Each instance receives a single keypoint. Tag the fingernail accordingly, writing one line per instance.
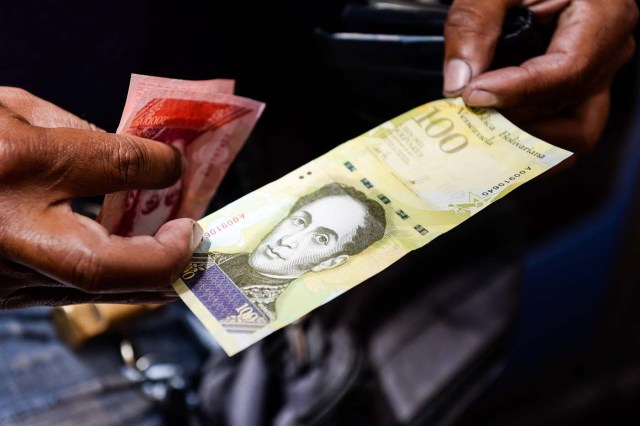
(196, 236)
(457, 75)
(481, 98)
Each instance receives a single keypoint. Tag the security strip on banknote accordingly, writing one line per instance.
(295, 244)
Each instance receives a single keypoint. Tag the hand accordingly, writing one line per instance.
(50, 255)
(561, 96)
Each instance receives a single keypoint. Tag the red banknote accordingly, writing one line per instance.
(142, 85)
(205, 122)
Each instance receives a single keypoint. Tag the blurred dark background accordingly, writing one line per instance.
(568, 350)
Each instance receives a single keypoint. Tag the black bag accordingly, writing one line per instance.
(416, 360)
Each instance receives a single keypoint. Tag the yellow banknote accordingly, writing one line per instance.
(283, 250)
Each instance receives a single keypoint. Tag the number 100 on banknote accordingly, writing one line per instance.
(281, 251)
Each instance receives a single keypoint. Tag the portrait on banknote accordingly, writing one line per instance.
(322, 230)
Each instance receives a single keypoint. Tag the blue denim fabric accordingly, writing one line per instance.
(43, 382)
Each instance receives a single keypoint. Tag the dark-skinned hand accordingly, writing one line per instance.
(561, 96)
(50, 255)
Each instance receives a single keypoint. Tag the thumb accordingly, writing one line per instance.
(471, 33)
(172, 233)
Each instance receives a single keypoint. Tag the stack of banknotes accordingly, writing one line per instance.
(287, 248)
(205, 121)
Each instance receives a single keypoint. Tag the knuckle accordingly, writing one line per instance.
(465, 19)
(7, 156)
(129, 159)
(87, 270)
(14, 92)
(12, 157)
(540, 88)
(569, 76)
(14, 102)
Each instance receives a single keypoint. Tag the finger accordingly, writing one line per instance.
(87, 163)
(578, 131)
(71, 163)
(567, 73)
(85, 256)
(39, 112)
(471, 32)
